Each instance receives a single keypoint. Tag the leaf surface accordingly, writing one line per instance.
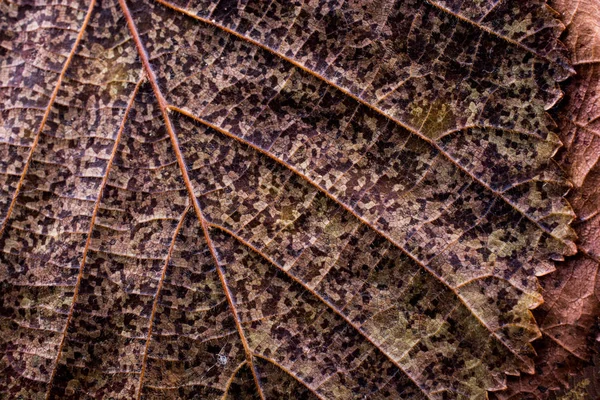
(570, 316)
(258, 199)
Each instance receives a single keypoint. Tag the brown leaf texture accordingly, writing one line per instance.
(272, 200)
(570, 316)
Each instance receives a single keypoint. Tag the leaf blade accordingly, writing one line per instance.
(348, 172)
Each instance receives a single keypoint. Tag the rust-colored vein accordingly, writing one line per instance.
(47, 114)
(180, 160)
(565, 347)
(238, 324)
(498, 35)
(570, 245)
(231, 379)
(354, 213)
(321, 298)
(89, 234)
(290, 373)
(156, 297)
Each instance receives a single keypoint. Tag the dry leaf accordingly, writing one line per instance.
(570, 316)
(279, 199)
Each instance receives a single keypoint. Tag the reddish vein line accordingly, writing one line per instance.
(47, 114)
(430, 2)
(180, 160)
(238, 324)
(498, 35)
(351, 211)
(89, 235)
(320, 298)
(292, 374)
(564, 346)
(156, 296)
(231, 378)
(568, 243)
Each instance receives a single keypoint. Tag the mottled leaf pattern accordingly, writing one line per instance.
(276, 199)
(570, 316)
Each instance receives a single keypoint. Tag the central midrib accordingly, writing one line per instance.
(201, 219)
